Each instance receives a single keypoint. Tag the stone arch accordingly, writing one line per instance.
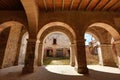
(53, 27)
(56, 29)
(51, 24)
(114, 33)
(99, 48)
(108, 28)
(32, 16)
(11, 49)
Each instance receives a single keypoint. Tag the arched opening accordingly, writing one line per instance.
(92, 49)
(105, 33)
(23, 47)
(61, 29)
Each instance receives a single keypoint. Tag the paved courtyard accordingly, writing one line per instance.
(61, 72)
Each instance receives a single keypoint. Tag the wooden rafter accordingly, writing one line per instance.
(96, 4)
(63, 4)
(45, 5)
(109, 2)
(117, 3)
(54, 4)
(103, 3)
(72, 1)
(79, 4)
(90, 1)
(116, 6)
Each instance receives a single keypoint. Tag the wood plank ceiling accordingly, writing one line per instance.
(85, 5)
(51, 5)
(10, 5)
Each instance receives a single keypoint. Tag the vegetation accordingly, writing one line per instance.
(56, 61)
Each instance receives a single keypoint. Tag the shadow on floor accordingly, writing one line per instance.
(43, 74)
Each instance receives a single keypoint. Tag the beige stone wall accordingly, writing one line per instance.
(62, 41)
(91, 58)
(11, 47)
(3, 41)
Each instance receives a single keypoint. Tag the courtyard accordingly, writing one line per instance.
(61, 72)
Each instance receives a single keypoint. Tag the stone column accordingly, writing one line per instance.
(40, 54)
(107, 55)
(117, 50)
(18, 53)
(72, 54)
(100, 55)
(81, 57)
(30, 57)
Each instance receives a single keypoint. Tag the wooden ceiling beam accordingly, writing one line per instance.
(101, 4)
(117, 3)
(72, 1)
(80, 4)
(110, 4)
(4, 4)
(63, 4)
(54, 4)
(90, 2)
(96, 5)
(106, 5)
(116, 6)
(45, 5)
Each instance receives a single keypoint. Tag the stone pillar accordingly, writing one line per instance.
(100, 55)
(40, 54)
(81, 57)
(107, 55)
(72, 54)
(117, 50)
(30, 56)
(17, 54)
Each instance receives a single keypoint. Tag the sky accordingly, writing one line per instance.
(88, 38)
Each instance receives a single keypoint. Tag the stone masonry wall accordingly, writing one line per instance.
(11, 48)
(3, 41)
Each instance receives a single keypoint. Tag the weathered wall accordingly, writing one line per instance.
(11, 47)
(3, 41)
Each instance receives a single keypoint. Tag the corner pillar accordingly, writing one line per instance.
(40, 54)
(72, 53)
(30, 57)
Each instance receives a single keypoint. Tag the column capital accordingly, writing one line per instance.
(81, 40)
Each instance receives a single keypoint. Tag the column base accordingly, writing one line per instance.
(72, 64)
(27, 70)
(40, 64)
(83, 70)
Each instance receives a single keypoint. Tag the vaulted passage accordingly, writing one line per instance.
(60, 39)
